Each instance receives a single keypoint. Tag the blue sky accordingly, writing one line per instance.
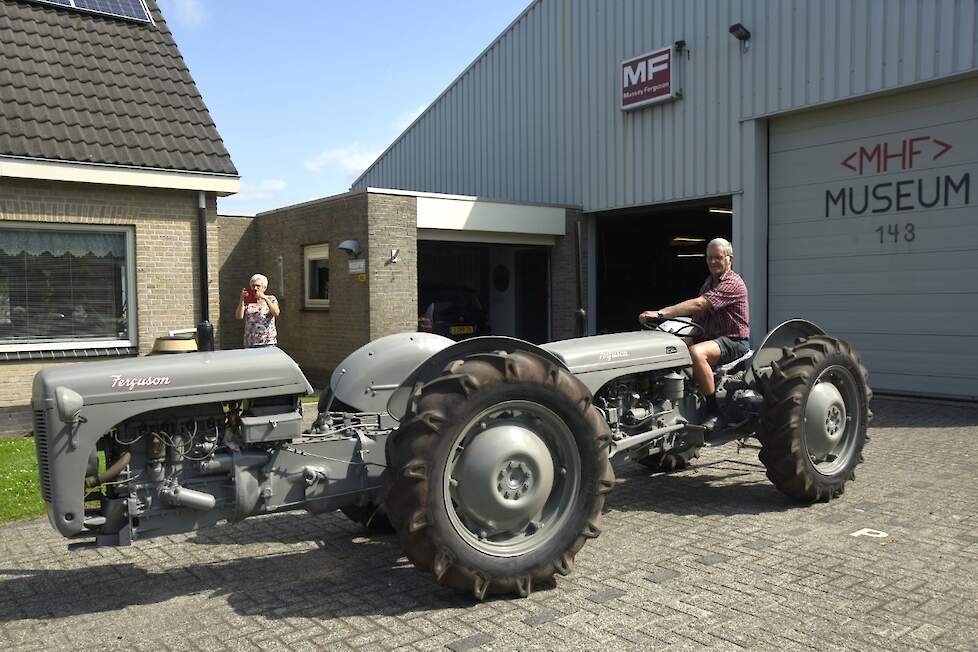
(306, 93)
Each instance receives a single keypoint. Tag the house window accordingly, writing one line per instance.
(316, 261)
(65, 287)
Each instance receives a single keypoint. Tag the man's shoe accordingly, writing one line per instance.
(714, 415)
(716, 422)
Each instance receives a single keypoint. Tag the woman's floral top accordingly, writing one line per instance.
(259, 324)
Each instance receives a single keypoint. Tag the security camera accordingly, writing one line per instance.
(351, 247)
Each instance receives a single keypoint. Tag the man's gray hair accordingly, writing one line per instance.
(721, 242)
(261, 278)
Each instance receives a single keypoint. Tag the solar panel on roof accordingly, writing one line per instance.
(129, 9)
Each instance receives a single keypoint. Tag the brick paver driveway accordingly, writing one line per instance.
(714, 556)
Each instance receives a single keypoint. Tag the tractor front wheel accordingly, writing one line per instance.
(498, 473)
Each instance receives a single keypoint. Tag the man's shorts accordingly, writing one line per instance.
(731, 349)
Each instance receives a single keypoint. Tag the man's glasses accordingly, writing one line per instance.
(716, 259)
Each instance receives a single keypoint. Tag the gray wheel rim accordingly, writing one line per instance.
(511, 478)
(832, 420)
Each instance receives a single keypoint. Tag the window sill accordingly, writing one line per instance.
(68, 354)
(315, 308)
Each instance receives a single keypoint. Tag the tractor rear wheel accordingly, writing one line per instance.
(498, 473)
(814, 420)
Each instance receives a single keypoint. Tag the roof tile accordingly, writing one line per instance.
(89, 88)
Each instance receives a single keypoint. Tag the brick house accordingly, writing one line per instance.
(333, 302)
(107, 153)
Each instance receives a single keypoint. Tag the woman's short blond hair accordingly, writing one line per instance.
(261, 278)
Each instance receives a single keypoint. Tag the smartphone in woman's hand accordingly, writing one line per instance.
(250, 296)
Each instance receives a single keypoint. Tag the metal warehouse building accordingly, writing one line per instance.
(834, 142)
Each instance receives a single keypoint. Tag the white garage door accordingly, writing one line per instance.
(874, 233)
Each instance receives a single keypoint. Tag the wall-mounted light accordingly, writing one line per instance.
(280, 275)
(351, 247)
(742, 34)
(395, 253)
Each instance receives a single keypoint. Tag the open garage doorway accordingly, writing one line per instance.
(653, 256)
(467, 289)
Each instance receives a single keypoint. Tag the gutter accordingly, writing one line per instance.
(26, 167)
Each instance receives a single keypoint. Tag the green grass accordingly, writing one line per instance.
(20, 493)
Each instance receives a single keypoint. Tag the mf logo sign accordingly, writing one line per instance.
(650, 78)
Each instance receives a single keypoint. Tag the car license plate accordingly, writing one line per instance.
(462, 330)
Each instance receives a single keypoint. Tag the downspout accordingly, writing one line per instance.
(205, 330)
(581, 313)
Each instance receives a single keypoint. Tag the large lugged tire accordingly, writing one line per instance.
(813, 425)
(498, 473)
(669, 461)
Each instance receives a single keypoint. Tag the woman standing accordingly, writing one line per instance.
(259, 311)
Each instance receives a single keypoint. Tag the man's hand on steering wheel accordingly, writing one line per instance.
(653, 320)
(650, 319)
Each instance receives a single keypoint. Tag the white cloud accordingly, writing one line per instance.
(405, 119)
(255, 191)
(186, 13)
(350, 160)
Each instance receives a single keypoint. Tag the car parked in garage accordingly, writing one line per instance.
(452, 311)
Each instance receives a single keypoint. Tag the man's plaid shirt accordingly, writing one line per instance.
(728, 314)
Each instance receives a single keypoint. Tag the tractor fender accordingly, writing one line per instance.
(432, 367)
(366, 378)
(785, 334)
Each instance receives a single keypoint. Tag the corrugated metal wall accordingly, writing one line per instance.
(537, 118)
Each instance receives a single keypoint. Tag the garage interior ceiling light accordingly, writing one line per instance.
(725, 211)
(690, 255)
(681, 240)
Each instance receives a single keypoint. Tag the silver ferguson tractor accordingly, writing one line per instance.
(490, 457)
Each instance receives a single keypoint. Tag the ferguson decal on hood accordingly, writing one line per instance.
(608, 356)
(130, 384)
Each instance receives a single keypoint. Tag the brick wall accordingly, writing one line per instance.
(563, 280)
(393, 223)
(238, 260)
(317, 338)
(165, 223)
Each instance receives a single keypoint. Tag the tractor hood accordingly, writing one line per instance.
(617, 352)
(183, 374)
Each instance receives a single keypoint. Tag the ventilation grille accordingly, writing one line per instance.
(41, 441)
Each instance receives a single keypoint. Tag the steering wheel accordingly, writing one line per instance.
(678, 326)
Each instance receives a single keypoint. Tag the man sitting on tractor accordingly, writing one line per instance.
(722, 313)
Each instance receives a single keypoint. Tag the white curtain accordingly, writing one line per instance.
(58, 243)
